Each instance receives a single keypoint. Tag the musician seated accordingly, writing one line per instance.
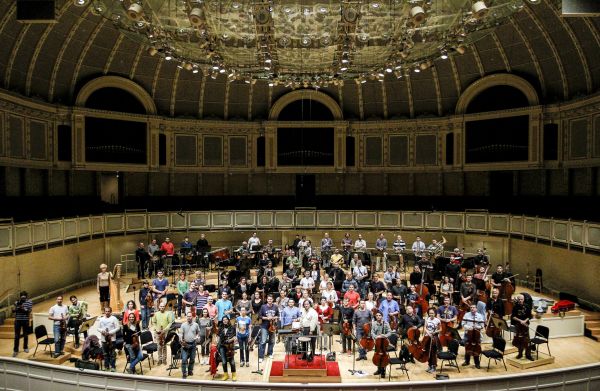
(131, 331)
(472, 321)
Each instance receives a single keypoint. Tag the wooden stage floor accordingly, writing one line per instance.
(568, 352)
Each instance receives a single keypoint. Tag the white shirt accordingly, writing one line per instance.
(323, 284)
(253, 241)
(360, 244)
(111, 323)
(307, 283)
(418, 247)
(56, 311)
(310, 319)
(330, 295)
(360, 272)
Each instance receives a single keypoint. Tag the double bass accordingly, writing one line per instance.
(446, 330)
(506, 291)
(473, 342)
(413, 335)
(423, 293)
(421, 353)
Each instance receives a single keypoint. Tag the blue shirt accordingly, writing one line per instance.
(388, 306)
(243, 320)
(289, 314)
(160, 285)
(222, 306)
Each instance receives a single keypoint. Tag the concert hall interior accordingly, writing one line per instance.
(303, 194)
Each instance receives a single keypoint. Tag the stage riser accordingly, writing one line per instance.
(309, 372)
(303, 379)
(524, 363)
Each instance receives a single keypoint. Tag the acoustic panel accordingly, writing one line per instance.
(373, 151)
(16, 137)
(37, 140)
(213, 151)
(185, 150)
(578, 138)
(596, 137)
(237, 152)
(426, 149)
(398, 150)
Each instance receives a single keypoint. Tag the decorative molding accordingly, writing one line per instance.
(494, 80)
(13, 55)
(438, 91)
(116, 82)
(501, 51)
(113, 53)
(317, 96)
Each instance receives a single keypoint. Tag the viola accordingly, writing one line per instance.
(367, 342)
(149, 301)
(381, 358)
(273, 326)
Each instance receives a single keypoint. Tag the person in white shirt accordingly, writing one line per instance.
(324, 282)
(330, 295)
(108, 325)
(307, 281)
(360, 244)
(309, 321)
(59, 314)
(399, 246)
(360, 275)
(253, 242)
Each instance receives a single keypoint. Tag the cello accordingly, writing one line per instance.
(473, 343)
(446, 328)
(423, 349)
(423, 293)
(381, 358)
(367, 342)
(413, 335)
(507, 291)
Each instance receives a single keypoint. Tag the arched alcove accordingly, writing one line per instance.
(314, 96)
(499, 97)
(507, 83)
(107, 86)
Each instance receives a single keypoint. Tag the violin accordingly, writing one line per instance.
(135, 342)
(367, 342)
(381, 358)
(346, 329)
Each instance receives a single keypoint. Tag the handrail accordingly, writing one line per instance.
(9, 369)
(34, 235)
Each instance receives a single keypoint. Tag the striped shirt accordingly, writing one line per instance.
(22, 311)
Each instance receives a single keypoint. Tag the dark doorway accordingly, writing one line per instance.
(305, 190)
(305, 147)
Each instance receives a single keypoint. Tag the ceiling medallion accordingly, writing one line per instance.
(341, 40)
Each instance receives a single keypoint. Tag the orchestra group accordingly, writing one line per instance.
(413, 297)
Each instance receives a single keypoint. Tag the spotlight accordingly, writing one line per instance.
(152, 51)
(195, 69)
(80, 3)
(534, 2)
(168, 57)
(388, 70)
(196, 16)
(135, 12)
(444, 55)
(479, 10)
(417, 70)
(417, 15)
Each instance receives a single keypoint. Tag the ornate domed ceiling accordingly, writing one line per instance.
(50, 62)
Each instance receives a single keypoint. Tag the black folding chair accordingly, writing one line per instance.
(41, 332)
(148, 344)
(542, 334)
(145, 357)
(496, 353)
(450, 355)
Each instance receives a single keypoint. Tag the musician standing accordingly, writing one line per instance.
(361, 317)
(182, 287)
(253, 242)
(447, 313)
(131, 329)
(103, 285)
(168, 247)
(495, 305)
(244, 331)
(310, 325)
(432, 329)
(189, 334)
(159, 288)
(381, 245)
(389, 308)
(268, 313)
(472, 320)
(224, 307)
(399, 246)
(227, 335)
(145, 309)
(108, 325)
(59, 314)
(346, 315)
(161, 321)
(468, 291)
(205, 324)
(23, 309)
(77, 312)
(141, 257)
(521, 315)
(154, 265)
(190, 299)
(380, 329)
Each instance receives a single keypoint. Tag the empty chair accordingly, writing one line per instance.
(449, 355)
(496, 353)
(148, 344)
(41, 338)
(541, 337)
(404, 358)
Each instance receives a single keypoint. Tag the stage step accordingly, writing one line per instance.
(308, 372)
(7, 327)
(9, 322)
(7, 334)
(524, 363)
(304, 379)
(595, 331)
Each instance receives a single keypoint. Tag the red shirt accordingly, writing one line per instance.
(136, 312)
(324, 315)
(353, 298)
(168, 248)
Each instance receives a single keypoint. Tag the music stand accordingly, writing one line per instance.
(133, 287)
(354, 342)
(502, 325)
(87, 324)
(330, 329)
(258, 331)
